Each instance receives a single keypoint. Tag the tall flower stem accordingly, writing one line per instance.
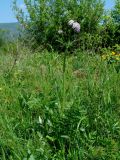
(64, 78)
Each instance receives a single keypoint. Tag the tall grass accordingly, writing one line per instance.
(33, 125)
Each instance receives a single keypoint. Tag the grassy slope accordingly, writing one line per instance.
(36, 124)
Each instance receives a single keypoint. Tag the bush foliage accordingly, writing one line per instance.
(42, 19)
(45, 18)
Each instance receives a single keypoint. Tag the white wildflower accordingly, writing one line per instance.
(70, 23)
(60, 31)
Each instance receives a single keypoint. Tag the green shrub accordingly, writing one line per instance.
(111, 27)
(43, 19)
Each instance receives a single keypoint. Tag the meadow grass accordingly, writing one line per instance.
(35, 124)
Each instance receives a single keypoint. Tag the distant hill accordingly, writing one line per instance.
(13, 28)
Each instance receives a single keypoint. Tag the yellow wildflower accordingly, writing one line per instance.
(113, 53)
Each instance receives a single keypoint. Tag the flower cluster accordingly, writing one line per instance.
(111, 57)
(75, 25)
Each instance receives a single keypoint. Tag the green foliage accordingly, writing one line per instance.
(60, 107)
(116, 18)
(111, 27)
(2, 38)
(34, 122)
(112, 56)
(43, 19)
(116, 12)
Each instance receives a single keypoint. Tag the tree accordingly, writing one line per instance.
(116, 12)
(43, 18)
(111, 26)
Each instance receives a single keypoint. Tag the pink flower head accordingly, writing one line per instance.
(76, 27)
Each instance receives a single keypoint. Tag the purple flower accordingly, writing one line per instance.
(76, 27)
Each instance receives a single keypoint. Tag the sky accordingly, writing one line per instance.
(7, 15)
